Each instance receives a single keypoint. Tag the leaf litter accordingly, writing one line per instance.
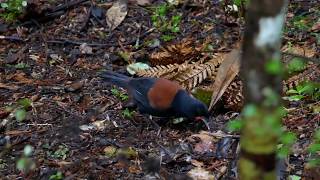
(71, 108)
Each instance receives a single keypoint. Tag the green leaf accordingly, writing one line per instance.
(313, 148)
(306, 88)
(21, 164)
(175, 29)
(20, 114)
(115, 92)
(283, 152)
(317, 135)
(27, 151)
(127, 113)
(314, 162)
(124, 55)
(167, 37)
(124, 97)
(25, 164)
(25, 102)
(294, 177)
(57, 176)
(135, 67)
(288, 138)
(162, 10)
(296, 65)
(292, 91)
(21, 66)
(295, 97)
(4, 5)
(176, 20)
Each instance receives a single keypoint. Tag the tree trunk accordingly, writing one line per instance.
(261, 69)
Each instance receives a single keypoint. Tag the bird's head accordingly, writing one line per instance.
(189, 107)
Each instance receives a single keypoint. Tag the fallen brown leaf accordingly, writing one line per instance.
(227, 71)
(116, 14)
(300, 50)
(205, 144)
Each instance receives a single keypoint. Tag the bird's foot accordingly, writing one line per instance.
(130, 105)
(154, 124)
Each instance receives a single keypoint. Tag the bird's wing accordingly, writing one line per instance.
(139, 89)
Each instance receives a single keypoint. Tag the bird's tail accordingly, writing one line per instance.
(115, 78)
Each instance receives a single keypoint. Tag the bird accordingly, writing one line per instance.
(158, 96)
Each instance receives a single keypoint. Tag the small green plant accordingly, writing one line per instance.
(295, 65)
(167, 37)
(119, 95)
(287, 139)
(159, 15)
(18, 66)
(12, 9)
(124, 55)
(25, 163)
(20, 108)
(303, 90)
(314, 150)
(21, 66)
(127, 113)
(60, 153)
(57, 176)
(168, 26)
(175, 23)
(301, 22)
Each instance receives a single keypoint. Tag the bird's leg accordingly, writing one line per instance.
(205, 121)
(130, 104)
(155, 125)
(207, 124)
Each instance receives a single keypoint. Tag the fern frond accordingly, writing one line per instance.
(175, 53)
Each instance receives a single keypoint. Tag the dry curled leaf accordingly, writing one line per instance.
(204, 144)
(227, 71)
(116, 14)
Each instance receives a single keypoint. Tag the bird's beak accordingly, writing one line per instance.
(204, 120)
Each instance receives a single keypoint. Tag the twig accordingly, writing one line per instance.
(71, 42)
(68, 5)
(222, 135)
(35, 124)
(12, 38)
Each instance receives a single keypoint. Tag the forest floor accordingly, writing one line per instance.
(79, 128)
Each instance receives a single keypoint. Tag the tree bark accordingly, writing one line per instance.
(261, 69)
